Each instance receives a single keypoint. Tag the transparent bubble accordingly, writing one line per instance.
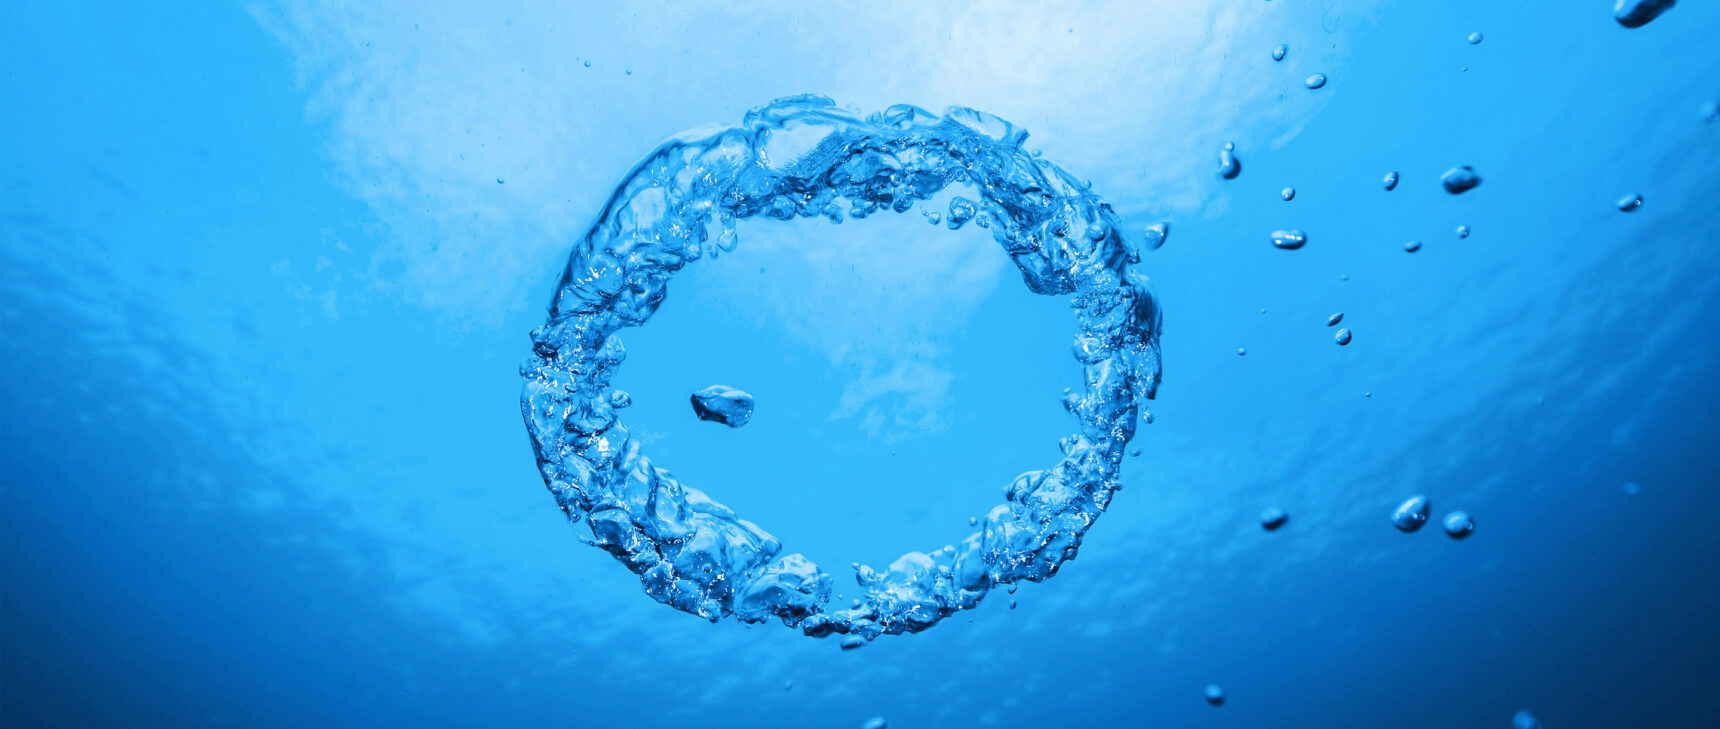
(876, 722)
(1631, 488)
(1525, 720)
(1315, 81)
(1458, 525)
(1630, 203)
(1288, 194)
(1278, 52)
(620, 399)
(1342, 337)
(1411, 515)
(1460, 179)
(1333, 320)
(853, 642)
(1289, 239)
(723, 404)
(1391, 181)
(1463, 231)
(1475, 38)
(1229, 165)
(1156, 235)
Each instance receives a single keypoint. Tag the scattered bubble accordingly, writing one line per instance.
(1463, 231)
(853, 642)
(1315, 81)
(1215, 694)
(1333, 320)
(1630, 202)
(1412, 246)
(1229, 166)
(1342, 337)
(723, 404)
(1272, 518)
(1156, 235)
(1475, 38)
(1288, 194)
(1411, 515)
(1458, 525)
(1289, 239)
(932, 217)
(876, 722)
(1637, 13)
(961, 211)
(1391, 181)
(1278, 53)
(1525, 720)
(620, 399)
(1460, 179)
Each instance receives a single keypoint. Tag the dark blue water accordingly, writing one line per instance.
(267, 275)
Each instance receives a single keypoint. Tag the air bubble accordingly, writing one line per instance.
(1342, 337)
(723, 404)
(1463, 231)
(961, 211)
(853, 642)
(1391, 181)
(1333, 320)
(1411, 515)
(1273, 518)
(1631, 488)
(1475, 38)
(1629, 203)
(932, 217)
(1315, 81)
(1215, 694)
(620, 399)
(1278, 53)
(1288, 194)
(1156, 235)
(1460, 179)
(876, 722)
(1412, 246)
(1289, 239)
(1458, 525)
(1229, 166)
(1240, 352)
(1637, 13)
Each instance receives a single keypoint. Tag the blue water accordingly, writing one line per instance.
(268, 274)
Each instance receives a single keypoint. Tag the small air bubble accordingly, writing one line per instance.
(1229, 165)
(1240, 352)
(1412, 246)
(1411, 515)
(1156, 235)
(1272, 518)
(588, 64)
(1333, 320)
(1460, 179)
(1629, 203)
(1391, 181)
(1463, 231)
(1288, 194)
(932, 217)
(1475, 38)
(1342, 337)
(1214, 694)
(501, 181)
(853, 642)
(1278, 53)
(620, 399)
(1315, 81)
(1631, 488)
(1458, 525)
(1289, 240)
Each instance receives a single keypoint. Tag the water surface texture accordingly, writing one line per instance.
(268, 274)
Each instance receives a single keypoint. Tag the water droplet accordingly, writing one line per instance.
(1637, 13)
(1333, 320)
(1463, 231)
(1156, 235)
(1240, 352)
(1288, 194)
(1411, 515)
(853, 642)
(1315, 81)
(1391, 181)
(1278, 53)
(1458, 525)
(1412, 246)
(961, 211)
(1342, 337)
(1289, 239)
(1631, 488)
(1214, 694)
(1229, 165)
(620, 399)
(1630, 202)
(1460, 179)
(1475, 38)
(876, 722)
(932, 217)
(723, 404)
(1273, 518)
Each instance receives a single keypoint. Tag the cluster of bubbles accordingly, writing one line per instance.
(1412, 514)
(803, 157)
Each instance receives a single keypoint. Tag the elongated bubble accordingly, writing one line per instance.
(1525, 720)
(1278, 52)
(876, 722)
(1412, 246)
(1315, 81)
(1289, 239)
(1229, 165)
(1630, 203)
(1391, 181)
(1333, 320)
(1272, 518)
(1411, 515)
(1460, 179)
(1475, 38)
(803, 157)
(722, 404)
(1215, 694)
(1637, 13)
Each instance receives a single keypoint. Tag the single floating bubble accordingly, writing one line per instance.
(1315, 81)
(723, 404)
(961, 211)
(1215, 694)
(1463, 231)
(620, 399)
(588, 64)
(1289, 239)
(1411, 515)
(1631, 488)
(1278, 53)
(1412, 246)
(1333, 320)
(1637, 13)
(1272, 518)
(1288, 194)
(1342, 337)
(1229, 166)
(1156, 235)
(1458, 525)
(1460, 179)
(501, 181)
(876, 722)
(1240, 352)
(788, 685)
(1629, 203)
(1012, 603)
(1475, 38)
(853, 642)
(1391, 181)
(1709, 111)
(1136, 451)
(1525, 720)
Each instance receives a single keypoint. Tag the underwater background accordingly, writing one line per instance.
(267, 274)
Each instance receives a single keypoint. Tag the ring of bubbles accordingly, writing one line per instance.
(803, 157)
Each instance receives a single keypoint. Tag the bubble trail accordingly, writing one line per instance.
(1342, 337)
(1289, 239)
(1458, 525)
(1391, 181)
(1460, 179)
(1215, 694)
(723, 404)
(1630, 203)
(1272, 518)
(798, 158)
(1229, 165)
(1278, 53)
(1412, 246)
(1315, 81)
(1411, 515)
(1638, 13)
(1288, 194)
(1333, 320)
(1156, 235)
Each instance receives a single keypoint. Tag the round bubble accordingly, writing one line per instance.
(1458, 525)
(804, 157)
